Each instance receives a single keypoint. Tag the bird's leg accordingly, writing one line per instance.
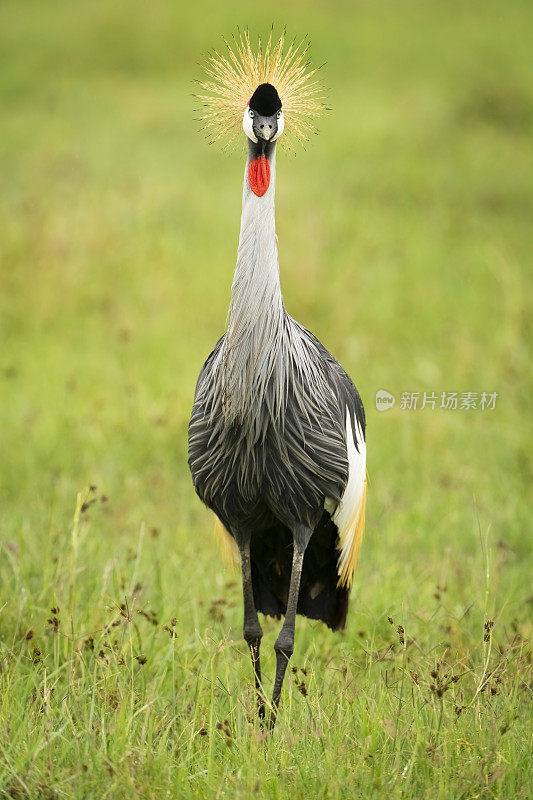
(252, 630)
(284, 645)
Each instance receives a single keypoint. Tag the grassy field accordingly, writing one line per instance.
(404, 234)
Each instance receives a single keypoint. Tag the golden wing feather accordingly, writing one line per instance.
(350, 541)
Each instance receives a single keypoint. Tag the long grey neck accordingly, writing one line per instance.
(256, 313)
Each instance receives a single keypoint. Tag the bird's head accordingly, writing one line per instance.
(263, 124)
(263, 117)
(265, 91)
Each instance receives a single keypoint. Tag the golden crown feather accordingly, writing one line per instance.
(232, 78)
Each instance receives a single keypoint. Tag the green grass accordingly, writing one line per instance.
(405, 233)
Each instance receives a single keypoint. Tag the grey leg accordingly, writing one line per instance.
(252, 630)
(284, 646)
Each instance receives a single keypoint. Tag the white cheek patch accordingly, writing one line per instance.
(248, 125)
(281, 125)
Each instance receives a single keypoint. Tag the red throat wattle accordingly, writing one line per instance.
(259, 175)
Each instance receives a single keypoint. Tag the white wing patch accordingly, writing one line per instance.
(349, 516)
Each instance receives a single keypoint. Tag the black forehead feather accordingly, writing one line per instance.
(265, 100)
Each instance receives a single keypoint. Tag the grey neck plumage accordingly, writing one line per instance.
(264, 351)
(256, 314)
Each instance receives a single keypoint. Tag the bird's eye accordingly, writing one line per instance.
(278, 115)
(251, 113)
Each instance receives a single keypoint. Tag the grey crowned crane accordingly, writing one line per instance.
(277, 433)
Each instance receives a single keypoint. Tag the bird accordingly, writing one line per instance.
(277, 434)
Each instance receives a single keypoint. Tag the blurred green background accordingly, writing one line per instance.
(405, 243)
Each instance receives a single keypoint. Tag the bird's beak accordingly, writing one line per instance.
(265, 127)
